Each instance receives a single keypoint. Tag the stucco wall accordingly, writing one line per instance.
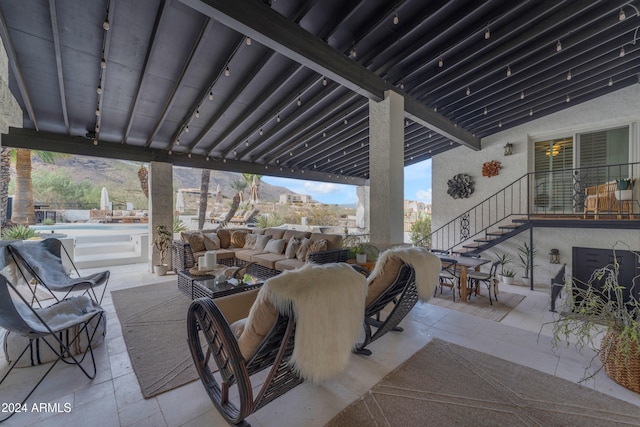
(616, 109)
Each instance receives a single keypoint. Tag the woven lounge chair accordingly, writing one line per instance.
(233, 337)
(61, 327)
(400, 277)
(42, 260)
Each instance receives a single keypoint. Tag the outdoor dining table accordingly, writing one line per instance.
(464, 263)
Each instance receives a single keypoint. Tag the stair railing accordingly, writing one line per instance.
(558, 192)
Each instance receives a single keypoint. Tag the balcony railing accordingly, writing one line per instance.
(558, 193)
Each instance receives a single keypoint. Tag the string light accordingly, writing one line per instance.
(353, 52)
(487, 34)
(622, 52)
(211, 96)
(610, 81)
(246, 143)
(299, 101)
(508, 71)
(396, 19)
(522, 95)
(441, 62)
(106, 25)
(558, 46)
(95, 141)
(468, 91)
(569, 75)
(485, 112)
(622, 15)
(99, 90)
(186, 128)
(324, 81)
(531, 112)
(500, 124)
(97, 111)
(345, 121)
(227, 72)
(197, 114)
(261, 133)
(568, 98)
(103, 63)
(401, 84)
(278, 118)
(248, 41)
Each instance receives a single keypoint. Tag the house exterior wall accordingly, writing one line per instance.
(615, 109)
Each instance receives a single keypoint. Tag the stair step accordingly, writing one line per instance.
(474, 246)
(497, 233)
(483, 240)
(510, 226)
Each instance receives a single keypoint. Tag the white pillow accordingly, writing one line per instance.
(211, 241)
(275, 246)
(292, 247)
(261, 241)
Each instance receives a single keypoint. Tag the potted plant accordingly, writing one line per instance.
(161, 241)
(361, 254)
(526, 255)
(504, 259)
(603, 305)
(507, 276)
(624, 189)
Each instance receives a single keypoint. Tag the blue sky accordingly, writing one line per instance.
(417, 186)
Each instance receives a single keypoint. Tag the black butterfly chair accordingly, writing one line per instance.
(62, 334)
(42, 260)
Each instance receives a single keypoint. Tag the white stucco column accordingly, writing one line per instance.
(160, 205)
(386, 169)
(362, 207)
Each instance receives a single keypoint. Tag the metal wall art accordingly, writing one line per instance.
(460, 186)
(491, 168)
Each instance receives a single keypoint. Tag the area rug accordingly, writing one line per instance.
(479, 305)
(444, 384)
(154, 326)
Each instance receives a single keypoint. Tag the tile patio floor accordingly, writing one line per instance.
(113, 398)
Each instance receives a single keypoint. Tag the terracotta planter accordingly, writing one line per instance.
(625, 372)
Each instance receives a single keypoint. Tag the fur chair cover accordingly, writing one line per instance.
(426, 265)
(328, 306)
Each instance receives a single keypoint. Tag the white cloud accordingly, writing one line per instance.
(424, 195)
(321, 187)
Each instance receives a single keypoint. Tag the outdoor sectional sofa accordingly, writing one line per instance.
(267, 259)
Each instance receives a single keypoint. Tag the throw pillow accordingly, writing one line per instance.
(275, 246)
(225, 238)
(261, 242)
(196, 240)
(250, 241)
(301, 253)
(317, 246)
(292, 247)
(211, 241)
(238, 238)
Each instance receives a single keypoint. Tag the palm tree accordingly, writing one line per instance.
(5, 177)
(143, 177)
(23, 208)
(239, 186)
(204, 194)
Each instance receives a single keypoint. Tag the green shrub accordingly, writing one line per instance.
(19, 232)
(178, 225)
(267, 221)
(48, 221)
(421, 231)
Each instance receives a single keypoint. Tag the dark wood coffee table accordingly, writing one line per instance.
(207, 287)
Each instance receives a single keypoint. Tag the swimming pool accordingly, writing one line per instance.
(91, 226)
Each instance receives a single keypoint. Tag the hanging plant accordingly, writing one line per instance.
(491, 168)
(460, 186)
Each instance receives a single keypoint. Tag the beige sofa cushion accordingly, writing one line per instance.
(246, 254)
(334, 241)
(262, 241)
(196, 240)
(295, 233)
(261, 318)
(275, 233)
(288, 264)
(317, 246)
(225, 238)
(250, 241)
(292, 246)
(301, 253)
(238, 238)
(267, 260)
(379, 284)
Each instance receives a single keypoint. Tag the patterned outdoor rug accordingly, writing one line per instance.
(154, 326)
(479, 305)
(444, 384)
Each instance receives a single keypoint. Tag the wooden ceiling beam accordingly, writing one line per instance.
(260, 22)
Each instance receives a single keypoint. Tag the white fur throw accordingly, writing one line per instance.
(426, 265)
(328, 305)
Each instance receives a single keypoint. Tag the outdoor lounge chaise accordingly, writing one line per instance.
(400, 277)
(42, 260)
(282, 328)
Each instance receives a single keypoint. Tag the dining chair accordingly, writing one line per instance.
(490, 279)
(449, 276)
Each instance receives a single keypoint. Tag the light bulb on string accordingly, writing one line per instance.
(441, 62)
(227, 72)
(468, 91)
(610, 81)
(568, 99)
(508, 71)
(487, 34)
(622, 52)
(197, 114)
(211, 96)
(396, 19)
(324, 81)
(248, 40)
(106, 25)
(522, 95)
(621, 15)
(558, 46)
(569, 75)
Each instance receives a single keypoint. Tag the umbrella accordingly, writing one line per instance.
(105, 204)
(253, 191)
(218, 194)
(180, 201)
